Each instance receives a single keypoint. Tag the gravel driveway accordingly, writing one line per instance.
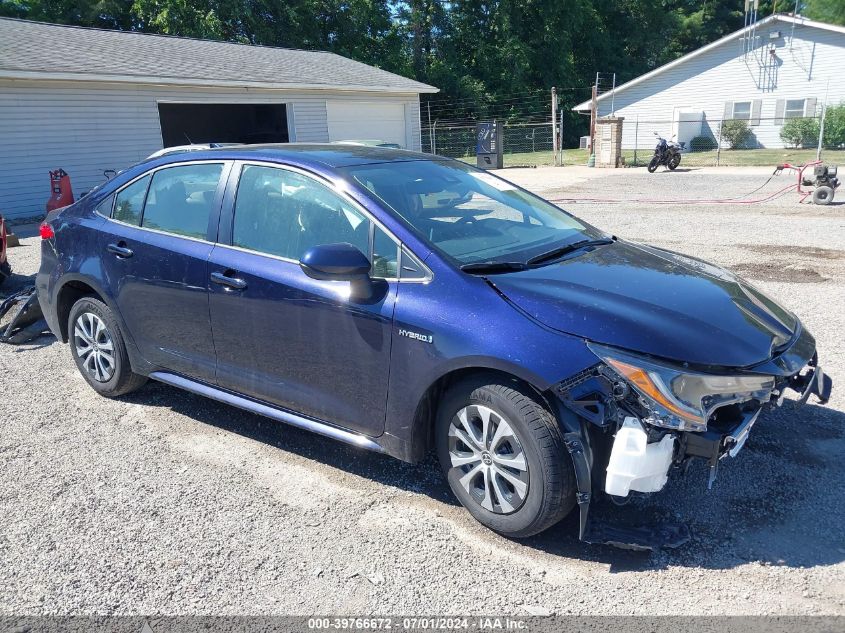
(166, 503)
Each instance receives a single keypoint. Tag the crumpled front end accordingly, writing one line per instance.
(645, 416)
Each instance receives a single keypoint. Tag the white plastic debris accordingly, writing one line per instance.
(634, 463)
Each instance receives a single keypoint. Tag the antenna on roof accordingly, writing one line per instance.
(794, 16)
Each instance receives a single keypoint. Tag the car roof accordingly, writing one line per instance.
(315, 155)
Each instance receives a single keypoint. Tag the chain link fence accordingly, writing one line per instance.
(732, 142)
(524, 145)
(705, 142)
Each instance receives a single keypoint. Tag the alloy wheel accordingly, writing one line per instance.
(488, 458)
(94, 346)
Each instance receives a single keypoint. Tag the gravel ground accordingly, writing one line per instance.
(166, 503)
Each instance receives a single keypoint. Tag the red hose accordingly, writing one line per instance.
(772, 196)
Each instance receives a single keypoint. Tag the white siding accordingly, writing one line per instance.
(708, 81)
(87, 127)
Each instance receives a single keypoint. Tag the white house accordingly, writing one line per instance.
(779, 68)
(87, 100)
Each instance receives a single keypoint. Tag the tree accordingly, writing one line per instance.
(834, 126)
(831, 11)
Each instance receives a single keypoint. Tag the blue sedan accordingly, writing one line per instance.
(408, 303)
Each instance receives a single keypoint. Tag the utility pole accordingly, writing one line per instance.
(821, 124)
(554, 123)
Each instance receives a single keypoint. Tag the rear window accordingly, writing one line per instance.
(129, 202)
(181, 198)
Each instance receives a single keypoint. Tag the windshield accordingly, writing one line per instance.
(469, 214)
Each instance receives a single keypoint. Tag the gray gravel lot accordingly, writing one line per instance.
(163, 502)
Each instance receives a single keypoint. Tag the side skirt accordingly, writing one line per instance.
(281, 415)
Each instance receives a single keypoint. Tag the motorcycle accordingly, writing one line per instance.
(666, 153)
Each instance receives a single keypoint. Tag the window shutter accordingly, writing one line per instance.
(755, 111)
(729, 110)
(810, 106)
(780, 106)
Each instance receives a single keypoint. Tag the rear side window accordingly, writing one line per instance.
(105, 207)
(130, 202)
(181, 198)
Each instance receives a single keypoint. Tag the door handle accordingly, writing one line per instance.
(228, 279)
(120, 249)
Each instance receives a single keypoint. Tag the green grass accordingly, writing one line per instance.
(727, 157)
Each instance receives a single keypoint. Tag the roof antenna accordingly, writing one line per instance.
(190, 142)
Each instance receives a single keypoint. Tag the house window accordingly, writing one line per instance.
(794, 109)
(742, 110)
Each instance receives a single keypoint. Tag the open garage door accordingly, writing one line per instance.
(366, 120)
(183, 123)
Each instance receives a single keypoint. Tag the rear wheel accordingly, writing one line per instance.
(823, 195)
(674, 161)
(5, 271)
(504, 457)
(653, 164)
(99, 351)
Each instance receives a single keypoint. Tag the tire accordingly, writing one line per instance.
(106, 367)
(535, 441)
(653, 164)
(674, 162)
(823, 195)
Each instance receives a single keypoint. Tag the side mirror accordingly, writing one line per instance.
(339, 262)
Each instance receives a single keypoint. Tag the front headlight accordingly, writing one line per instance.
(677, 398)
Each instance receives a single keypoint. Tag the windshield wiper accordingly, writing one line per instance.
(493, 267)
(560, 251)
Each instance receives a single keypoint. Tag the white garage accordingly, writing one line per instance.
(90, 100)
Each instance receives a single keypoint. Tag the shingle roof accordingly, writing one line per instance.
(35, 49)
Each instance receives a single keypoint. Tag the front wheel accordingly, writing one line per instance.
(504, 457)
(653, 165)
(674, 161)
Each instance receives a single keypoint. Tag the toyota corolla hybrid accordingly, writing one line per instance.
(404, 303)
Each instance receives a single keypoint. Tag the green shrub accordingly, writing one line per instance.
(702, 144)
(800, 132)
(736, 132)
(834, 126)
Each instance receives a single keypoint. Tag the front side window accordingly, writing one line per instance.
(385, 256)
(794, 109)
(181, 198)
(470, 215)
(130, 202)
(283, 213)
(742, 110)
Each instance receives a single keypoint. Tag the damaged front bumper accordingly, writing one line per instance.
(615, 448)
(723, 440)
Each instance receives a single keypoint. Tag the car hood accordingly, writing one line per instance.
(653, 301)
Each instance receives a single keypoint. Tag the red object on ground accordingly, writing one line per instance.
(46, 231)
(61, 194)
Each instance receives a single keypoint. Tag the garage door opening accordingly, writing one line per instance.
(183, 123)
